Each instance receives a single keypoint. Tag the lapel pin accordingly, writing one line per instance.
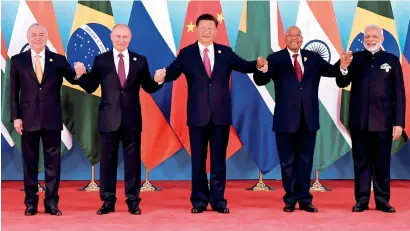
(51, 60)
(305, 59)
(219, 51)
(135, 59)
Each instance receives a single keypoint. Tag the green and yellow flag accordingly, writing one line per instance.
(90, 36)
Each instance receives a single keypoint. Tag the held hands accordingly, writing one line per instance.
(79, 69)
(262, 64)
(346, 59)
(159, 76)
(397, 131)
(18, 125)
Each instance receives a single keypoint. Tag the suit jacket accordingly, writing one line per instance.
(377, 97)
(119, 105)
(38, 104)
(208, 97)
(291, 96)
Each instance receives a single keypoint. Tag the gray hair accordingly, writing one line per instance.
(373, 26)
(124, 25)
(37, 24)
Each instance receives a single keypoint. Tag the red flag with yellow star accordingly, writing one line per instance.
(180, 89)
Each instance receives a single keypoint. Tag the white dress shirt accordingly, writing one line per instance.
(126, 60)
(211, 53)
(42, 59)
(299, 59)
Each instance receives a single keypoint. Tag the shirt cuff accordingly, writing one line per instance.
(343, 71)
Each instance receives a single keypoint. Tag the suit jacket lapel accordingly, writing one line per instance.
(48, 60)
(289, 63)
(306, 63)
(29, 66)
(198, 59)
(113, 69)
(217, 57)
(132, 61)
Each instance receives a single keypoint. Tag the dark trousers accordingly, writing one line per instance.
(109, 143)
(218, 139)
(371, 155)
(30, 142)
(296, 151)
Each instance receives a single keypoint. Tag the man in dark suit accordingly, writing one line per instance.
(121, 73)
(296, 73)
(376, 117)
(36, 77)
(207, 67)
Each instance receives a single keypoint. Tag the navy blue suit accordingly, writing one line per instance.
(377, 103)
(296, 119)
(209, 116)
(38, 105)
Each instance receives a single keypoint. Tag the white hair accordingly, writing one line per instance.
(37, 24)
(373, 26)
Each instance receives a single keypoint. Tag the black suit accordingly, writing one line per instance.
(296, 119)
(377, 103)
(119, 119)
(209, 115)
(38, 105)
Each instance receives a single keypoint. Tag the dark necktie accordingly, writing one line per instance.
(296, 66)
(121, 70)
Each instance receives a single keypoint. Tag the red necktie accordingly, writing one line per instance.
(296, 66)
(121, 70)
(207, 62)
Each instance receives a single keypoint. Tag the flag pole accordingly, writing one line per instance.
(317, 186)
(260, 186)
(148, 186)
(92, 186)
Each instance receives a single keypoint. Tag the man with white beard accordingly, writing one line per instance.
(376, 117)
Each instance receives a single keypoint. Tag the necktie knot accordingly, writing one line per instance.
(295, 56)
(206, 49)
(120, 56)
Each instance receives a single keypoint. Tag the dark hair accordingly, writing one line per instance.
(209, 17)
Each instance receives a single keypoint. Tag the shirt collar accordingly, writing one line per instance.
(291, 53)
(202, 48)
(116, 53)
(42, 53)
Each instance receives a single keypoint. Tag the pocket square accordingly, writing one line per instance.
(386, 67)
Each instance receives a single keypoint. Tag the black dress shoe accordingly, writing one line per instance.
(53, 210)
(289, 208)
(221, 209)
(360, 207)
(106, 208)
(30, 211)
(135, 210)
(386, 208)
(308, 208)
(198, 209)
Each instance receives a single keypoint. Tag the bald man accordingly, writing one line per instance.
(121, 73)
(296, 73)
(36, 77)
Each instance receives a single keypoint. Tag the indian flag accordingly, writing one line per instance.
(333, 139)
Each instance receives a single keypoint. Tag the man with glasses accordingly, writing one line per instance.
(296, 73)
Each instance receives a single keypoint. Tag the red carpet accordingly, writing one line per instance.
(170, 210)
